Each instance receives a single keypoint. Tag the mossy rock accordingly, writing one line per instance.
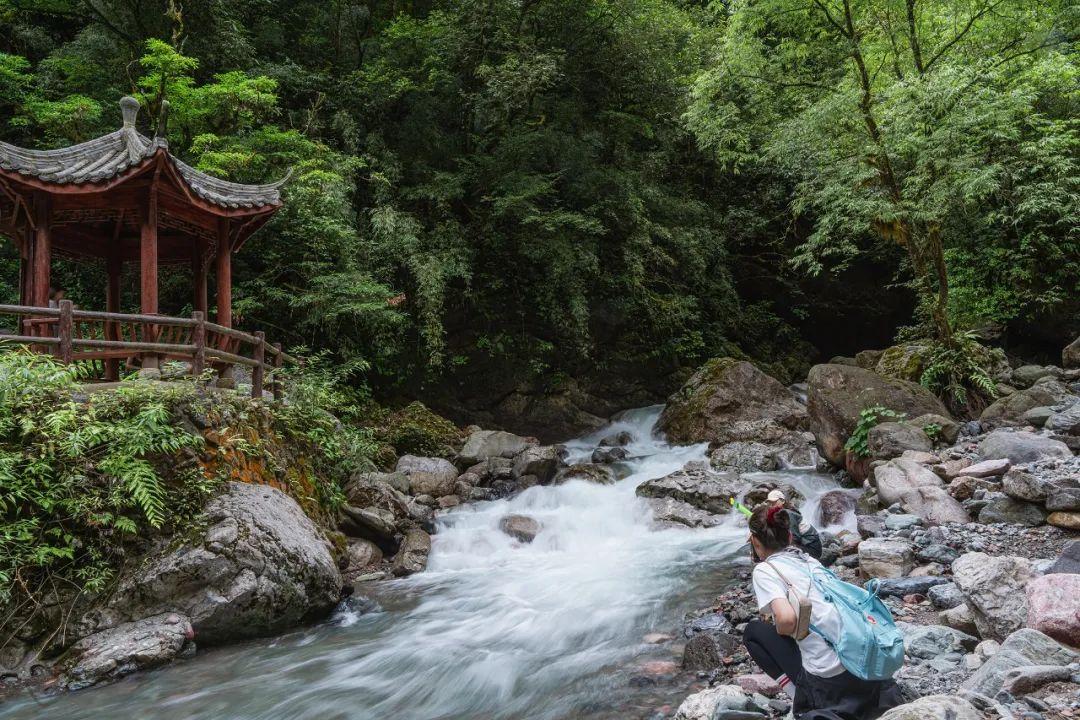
(904, 362)
(416, 430)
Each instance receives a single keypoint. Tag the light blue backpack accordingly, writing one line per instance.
(870, 646)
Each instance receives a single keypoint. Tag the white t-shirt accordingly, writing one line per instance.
(817, 657)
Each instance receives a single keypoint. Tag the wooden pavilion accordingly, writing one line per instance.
(124, 199)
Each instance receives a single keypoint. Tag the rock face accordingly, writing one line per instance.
(129, 647)
(1021, 447)
(520, 527)
(728, 400)
(918, 490)
(483, 444)
(262, 566)
(669, 512)
(994, 588)
(935, 707)
(1054, 607)
(838, 393)
(1022, 648)
(698, 487)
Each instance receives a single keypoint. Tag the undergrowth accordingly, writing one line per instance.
(868, 418)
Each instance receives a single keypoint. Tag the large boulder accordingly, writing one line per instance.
(1022, 648)
(918, 490)
(698, 487)
(1054, 607)
(1021, 447)
(886, 557)
(838, 393)
(483, 444)
(729, 400)
(669, 512)
(129, 647)
(1010, 409)
(413, 555)
(905, 362)
(520, 527)
(994, 588)
(935, 707)
(586, 472)
(428, 476)
(890, 440)
(834, 506)
(1070, 356)
(541, 462)
(261, 566)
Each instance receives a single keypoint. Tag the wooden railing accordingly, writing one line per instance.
(103, 340)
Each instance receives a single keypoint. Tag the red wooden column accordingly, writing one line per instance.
(42, 255)
(148, 266)
(113, 268)
(26, 266)
(224, 274)
(198, 275)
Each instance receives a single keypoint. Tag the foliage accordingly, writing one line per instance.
(81, 477)
(956, 370)
(868, 418)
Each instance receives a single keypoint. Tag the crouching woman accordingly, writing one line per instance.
(808, 669)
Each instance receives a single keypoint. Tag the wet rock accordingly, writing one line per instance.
(748, 456)
(587, 472)
(520, 527)
(541, 462)
(696, 486)
(935, 707)
(886, 557)
(994, 588)
(725, 401)
(413, 555)
(361, 554)
(129, 647)
(670, 512)
(838, 393)
(1022, 648)
(608, 455)
(483, 444)
(1021, 447)
(1054, 607)
(619, 439)
(449, 501)
(260, 567)
(834, 506)
(890, 440)
(428, 476)
(707, 651)
(1070, 356)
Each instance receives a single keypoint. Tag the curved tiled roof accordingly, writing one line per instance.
(110, 155)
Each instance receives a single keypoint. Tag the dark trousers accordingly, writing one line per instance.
(843, 697)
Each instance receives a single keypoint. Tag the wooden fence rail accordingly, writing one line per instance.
(91, 337)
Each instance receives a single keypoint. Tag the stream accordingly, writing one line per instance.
(492, 630)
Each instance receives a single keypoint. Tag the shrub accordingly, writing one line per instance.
(868, 418)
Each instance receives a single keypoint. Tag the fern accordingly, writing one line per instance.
(953, 372)
(868, 418)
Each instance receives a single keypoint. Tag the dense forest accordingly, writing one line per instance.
(489, 195)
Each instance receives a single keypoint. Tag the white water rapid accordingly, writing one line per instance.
(493, 630)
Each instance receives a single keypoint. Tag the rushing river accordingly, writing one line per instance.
(493, 629)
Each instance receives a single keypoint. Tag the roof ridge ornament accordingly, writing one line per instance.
(129, 107)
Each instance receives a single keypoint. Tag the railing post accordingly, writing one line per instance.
(198, 339)
(277, 372)
(64, 331)
(260, 367)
